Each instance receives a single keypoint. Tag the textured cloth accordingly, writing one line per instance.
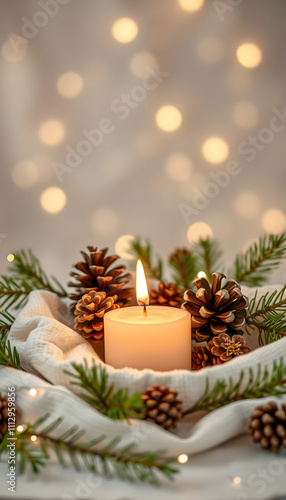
(47, 347)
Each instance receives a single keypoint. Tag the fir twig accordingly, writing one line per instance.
(208, 254)
(14, 292)
(5, 323)
(144, 252)
(184, 265)
(116, 405)
(106, 460)
(27, 267)
(253, 267)
(8, 355)
(268, 315)
(249, 386)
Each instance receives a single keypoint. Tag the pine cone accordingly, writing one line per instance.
(201, 357)
(96, 274)
(3, 415)
(267, 426)
(89, 313)
(224, 348)
(214, 309)
(166, 295)
(162, 406)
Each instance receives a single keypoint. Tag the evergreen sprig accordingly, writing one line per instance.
(14, 292)
(268, 315)
(249, 386)
(6, 321)
(106, 461)
(184, 265)
(253, 267)
(8, 355)
(116, 405)
(208, 255)
(27, 267)
(144, 252)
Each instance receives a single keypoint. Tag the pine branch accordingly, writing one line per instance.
(253, 267)
(14, 292)
(248, 387)
(184, 265)
(116, 405)
(268, 315)
(27, 267)
(106, 461)
(8, 355)
(5, 323)
(144, 252)
(208, 254)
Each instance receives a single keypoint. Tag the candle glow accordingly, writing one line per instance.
(142, 294)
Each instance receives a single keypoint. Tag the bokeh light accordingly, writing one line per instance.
(20, 428)
(123, 246)
(201, 274)
(33, 392)
(210, 50)
(191, 5)
(25, 174)
(33, 438)
(140, 62)
(199, 230)
(14, 49)
(183, 458)
(10, 257)
(273, 221)
(124, 30)
(53, 200)
(249, 55)
(178, 167)
(245, 114)
(69, 84)
(247, 205)
(236, 480)
(215, 150)
(52, 132)
(104, 222)
(168, 118)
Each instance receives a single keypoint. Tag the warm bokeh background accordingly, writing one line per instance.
(70, 69)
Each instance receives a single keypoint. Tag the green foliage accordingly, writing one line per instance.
(208, 255)
(116, 405)
(184, 266)
(6, 321)
(249, 386)
(144, 252)
(8, 355)
(106, 460)
(253, 267)
(268, 315)
(14, 292)
(27, 267)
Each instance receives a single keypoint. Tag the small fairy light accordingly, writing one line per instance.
(236, 480)
(183, 458)
(10, 257)
(20, 428)
(201, 274)
(33, 392)
(33, 438)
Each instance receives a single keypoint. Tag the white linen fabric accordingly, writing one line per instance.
(48, 346)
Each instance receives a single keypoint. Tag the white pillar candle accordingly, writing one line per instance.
(160, 341)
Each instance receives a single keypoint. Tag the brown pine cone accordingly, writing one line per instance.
(267, 426)
(97, 274)
(224, 348)
(214, 309)
(201, 357)
(89, 314)
(162, 406)
(166, 295)
(3, 415)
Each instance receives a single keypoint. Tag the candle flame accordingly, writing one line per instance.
(142, 294)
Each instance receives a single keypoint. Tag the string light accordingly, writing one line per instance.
(236, 480)
(124, 30)
(191, 5)
(201, 274)
(198, 230)
(273, 221)
(168, 118)
(51, 132)
(53, 200)
(69, 84)
(183, 458)
(215, 150)
(249, 55)
(10, 257)
(20, 428)
(33, 392)
(33, 438)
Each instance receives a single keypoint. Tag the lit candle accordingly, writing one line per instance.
(155, 337)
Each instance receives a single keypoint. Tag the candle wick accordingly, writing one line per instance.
(145, 311)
